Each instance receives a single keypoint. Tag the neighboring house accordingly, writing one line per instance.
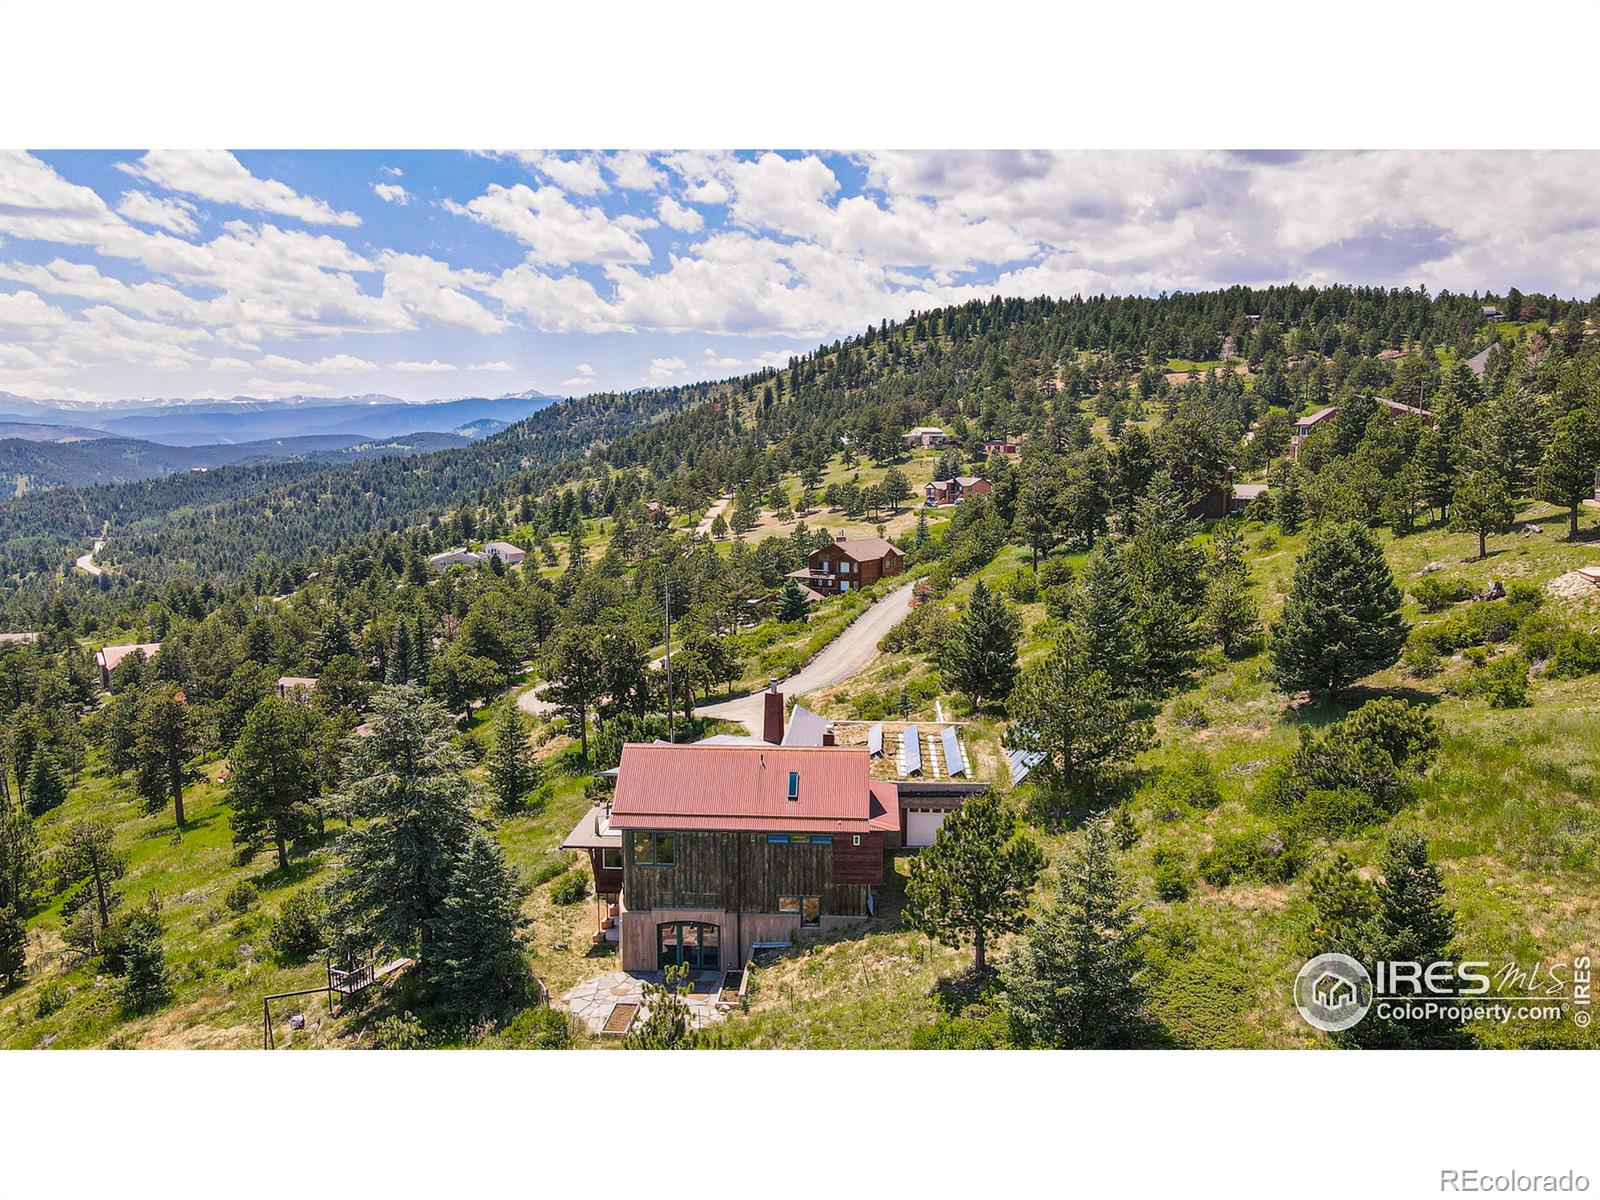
(1001, 446)
(1304, 426)
(843, 566)
(727, 849)
(109, 658)
(1406, 410)
(1479, 361)
(954, 491)
(506, 552)
(458, 556)
(656, 513)
(1491, 313)
(931, 436)
(296, 686)
(1243, 495)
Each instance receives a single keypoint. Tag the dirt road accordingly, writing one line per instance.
(840, 659)
(704, 527)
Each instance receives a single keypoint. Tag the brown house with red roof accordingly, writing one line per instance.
(729, 848)
(843, 566)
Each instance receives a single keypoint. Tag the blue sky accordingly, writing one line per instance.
(432, 274)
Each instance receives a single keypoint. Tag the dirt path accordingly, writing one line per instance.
(707, 521)
(839, 660)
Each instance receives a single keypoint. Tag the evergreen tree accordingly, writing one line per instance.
(1070, 713)
(1102, 615)
(1569, 472)
(13, 946)
(407, 787)
(1288, 497)
(1483, 506)
(1076, 980)
(88, 857)
(19, 858)
(478, 967)
(981, 657)
(272, 780)
(146, 982)
(571, 665)
(1344, 910)
(46, 786)
(665, 1024)
(513, 773)
(1230, 617)
(791, 602)
(165, 741)
(400, 667)
(1341, 619)
(973, 882)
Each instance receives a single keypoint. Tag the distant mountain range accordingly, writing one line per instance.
(30, 463)
(244, 419)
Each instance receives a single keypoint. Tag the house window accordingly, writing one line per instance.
(777, 839)
(653, 850)
(807, 908)
(611, 858)
(794, 785)
(822, 839)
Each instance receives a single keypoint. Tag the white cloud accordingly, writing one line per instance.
(580, 175)
(679, 217)
(634, 171)
(173, 215)
(557, 232)
(335, 364)
(663, 370)
(392, 172)
(218, 176)
(490, 366)
(392, 192)
(277, 389)
(423, 368)
(230, 364)
(425, 287)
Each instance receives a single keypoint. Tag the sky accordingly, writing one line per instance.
(430, 274)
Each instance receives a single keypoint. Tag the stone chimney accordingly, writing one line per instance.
(772, 714)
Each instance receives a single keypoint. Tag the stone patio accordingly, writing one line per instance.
(593, 999)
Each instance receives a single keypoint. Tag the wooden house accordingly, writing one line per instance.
(954, 491)
(845, 565)
(109, 658)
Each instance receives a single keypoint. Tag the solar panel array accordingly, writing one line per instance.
(911, 751)
(875, 741)
(955, 762)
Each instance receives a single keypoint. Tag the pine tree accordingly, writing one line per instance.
(19, 858)
(13, 946)
(512, 770)
(664, 1024)
(87, 856)
(973, 882)
(272, 780)
(407, 788)
(1483, 506)
(1102, 612)
(1342, 616)
(1289, 501)
(1076, 980)
(1071, 714)
(981, 657)
(1568, 471)
(400, 667)
(791, 602)
(146, 982)
(478, 968)
(165, 741)
(1230, 617)
(46, 786)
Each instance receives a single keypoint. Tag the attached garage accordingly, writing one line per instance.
(922, 825)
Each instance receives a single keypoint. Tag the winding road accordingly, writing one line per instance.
(710, 519)
(85, 562)
(839, 660)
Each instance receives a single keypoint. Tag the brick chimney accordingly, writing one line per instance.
(772, 714)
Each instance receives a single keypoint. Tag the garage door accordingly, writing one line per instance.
(922, 824)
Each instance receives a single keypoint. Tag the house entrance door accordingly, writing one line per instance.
(693, 944)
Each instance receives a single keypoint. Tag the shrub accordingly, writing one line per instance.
(980, 1027)
(1267, 543)
(1190, 783)
(1504, 682)
(1025, 587)
(548, 868)
(1338, 812)
(52, 997)
(1434, 594)
(1189, 713)
(1171, 873)
(399, 1032)
(298, 931)
(240, 896)
(1377, 750)
(1419, 660)
(1253, 856)
(571, 887)
(537, 1028)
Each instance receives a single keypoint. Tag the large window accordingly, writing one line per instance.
(688, 943)
(807, 908)
(654, 850)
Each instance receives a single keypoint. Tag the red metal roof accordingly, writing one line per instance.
(746, 788)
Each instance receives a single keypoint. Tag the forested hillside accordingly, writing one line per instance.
(1257, 716)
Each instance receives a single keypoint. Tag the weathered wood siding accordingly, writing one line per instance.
(858, 864)
(744, 872)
